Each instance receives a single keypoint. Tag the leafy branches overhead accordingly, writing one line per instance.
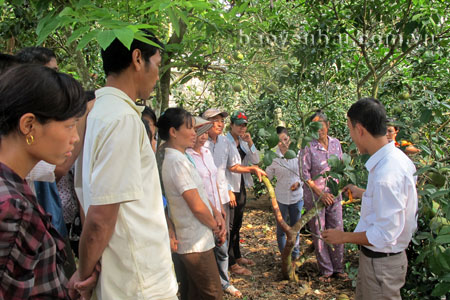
(280, 61)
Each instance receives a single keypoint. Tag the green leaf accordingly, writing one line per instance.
(443, 239)
(164, 5)
(67, 11)
(65, 20)
(140, 36)
(200, 5)
(445, 278)
(334, 188)
(439, 194)
(346, 159)
(305, 141)
(434, 263)
(315, 125)
(182, 15)
(441, 289)
(82, 3)
(105, 38)
(423, 170)
(446, 255)
(242, 7)
(269, 155)
(351, 176)
(290, 154)
(334, 161)
(174, 20)
(293, 146)
(423, 236)
(76, 34)
(273, 140)
(186, 79)
(262, 133)
(48, 28)
(137, 27)
(421, 257)
(426, 115)
(42, 23)
(410, 27)
(87, 38)
(444, 230)
(442, 259)
(125, 35)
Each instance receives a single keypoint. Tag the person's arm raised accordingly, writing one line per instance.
(249, 169)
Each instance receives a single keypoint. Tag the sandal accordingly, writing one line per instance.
(325, 278)
(233, 291)
(245, 261)
(239, 270)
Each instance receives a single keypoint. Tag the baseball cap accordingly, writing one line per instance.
(212, 112)
(239, 117)
(202, 125)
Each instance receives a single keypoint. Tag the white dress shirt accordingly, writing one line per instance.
(287, 173)
(251, 158)
(224, 158)
(389, 204)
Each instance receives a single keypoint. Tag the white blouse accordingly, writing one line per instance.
(179, 175)
(287, 173)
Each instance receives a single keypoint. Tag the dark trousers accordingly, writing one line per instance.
(236, 215)
(182, 278)
(226, 208)
(203, 276)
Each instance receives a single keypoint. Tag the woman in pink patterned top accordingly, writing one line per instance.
(313, 161)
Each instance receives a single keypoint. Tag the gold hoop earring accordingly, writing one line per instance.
(29, 139)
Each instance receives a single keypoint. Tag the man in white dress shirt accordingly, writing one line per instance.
(389, 206)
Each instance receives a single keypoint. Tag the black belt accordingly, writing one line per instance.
(373, 254)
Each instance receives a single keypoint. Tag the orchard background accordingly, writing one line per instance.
(280, 61)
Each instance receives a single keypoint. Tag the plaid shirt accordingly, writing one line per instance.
(31, 250)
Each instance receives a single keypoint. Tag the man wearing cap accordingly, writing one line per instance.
(239, 178)
(221, 150)
(389, 206)
(225, 158)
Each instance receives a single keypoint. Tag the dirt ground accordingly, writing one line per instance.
(258, 242)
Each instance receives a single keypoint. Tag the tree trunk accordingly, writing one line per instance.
(164, 84)
(164, 81)
(287, 268)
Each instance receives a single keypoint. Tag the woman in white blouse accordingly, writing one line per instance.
(288, 190)
(196, 221)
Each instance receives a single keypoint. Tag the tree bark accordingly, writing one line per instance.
(164, 81)
(287, 268)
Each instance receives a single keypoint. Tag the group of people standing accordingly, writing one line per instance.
(205, 199)
(136, 227)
